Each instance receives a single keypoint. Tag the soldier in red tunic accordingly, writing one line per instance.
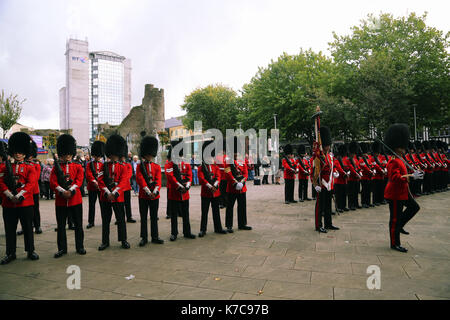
(367, 171)
(377, 179)
(351, 163)
(340, 183)
(303, 174)
(94, 169)
(127, 190)
(17, 183)
(112, 184)
(290, 170)
(148, 177)
(209, 177)
(179, 180)
(324, 185)
(66, 179)
(237, 175)
(397, 191)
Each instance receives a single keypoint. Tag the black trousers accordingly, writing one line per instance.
(399, 217)
(353, 188)
(365, 192)
(223, 199)
(341, 199)
(62, 213)
(265, 179)
(11, 217)
(36, 212)
(93, 196)
(48, 190)
(215, 213)
(127, 204)
(144, 207)
(169, 203)
(302, 189)
(378, 190)
(323, 208)
(179, 208)
(108, 208)
(427, 182)
(241, 209)
(289, 185)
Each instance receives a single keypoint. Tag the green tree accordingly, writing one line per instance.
(10, 110)
(215, 105)
(289, 87)
(387, 66)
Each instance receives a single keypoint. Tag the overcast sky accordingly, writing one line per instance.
(175, 45)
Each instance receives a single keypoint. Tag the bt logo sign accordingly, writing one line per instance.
(81, 59)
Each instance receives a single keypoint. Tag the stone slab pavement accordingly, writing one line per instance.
(281, 258)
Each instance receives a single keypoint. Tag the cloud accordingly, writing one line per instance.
(176, 45)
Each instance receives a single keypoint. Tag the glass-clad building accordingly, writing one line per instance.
(106, 89)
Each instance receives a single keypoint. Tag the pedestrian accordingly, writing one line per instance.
(134, 184)
(194, 171)
(93, 171)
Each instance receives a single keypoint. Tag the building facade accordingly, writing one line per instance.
(98, 90)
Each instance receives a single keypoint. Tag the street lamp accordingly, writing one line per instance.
(275, 119)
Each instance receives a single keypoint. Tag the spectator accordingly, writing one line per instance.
(134, 184)
(45, 176)
(266, 169)
(41, 183)
(194, 166)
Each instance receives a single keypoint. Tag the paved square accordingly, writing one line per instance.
(281, 258)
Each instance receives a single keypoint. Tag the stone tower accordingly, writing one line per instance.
(148, 117)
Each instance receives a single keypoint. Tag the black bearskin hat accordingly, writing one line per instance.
(19, 142)
(33, 149)
(418, 145)
(205, 144)
(411, 146)
(172, 145)
(426, 145)
(116, 146)
(98, 149)
(301, 149)
(376, 147)
(342, 150)
(66, 145)
(288, 149)
(433, 144)
(353, 147)
(397, 136)
(3, 149)
(325, 136)
(148, 146)
(364, 147)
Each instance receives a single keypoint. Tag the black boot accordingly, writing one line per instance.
(8, 258)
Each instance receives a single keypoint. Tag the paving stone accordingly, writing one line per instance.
(268, 273)
(192, 293)
(236, 284)
(297, 291)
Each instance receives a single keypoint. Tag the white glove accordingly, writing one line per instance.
(239, 186)
(417, 175)
(147, 191)
(336, 174)
(318, 188)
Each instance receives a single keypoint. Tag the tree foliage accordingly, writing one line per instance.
(215, 105)
(10, 110)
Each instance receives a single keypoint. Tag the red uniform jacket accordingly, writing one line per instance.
(242, 169)
(289, 170)
(354, 170)
(154, 175)
(130, 174)
(379, 175)
(119, 173)
(173, 184)
(215, 174)
(326, 172)
(397, 187)
(445, 162)
(366, 169)
(301, 174)
(427, 164)
(73, 171)
(342, 179)
(37, 170)
(93, 176)
(25, 173)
